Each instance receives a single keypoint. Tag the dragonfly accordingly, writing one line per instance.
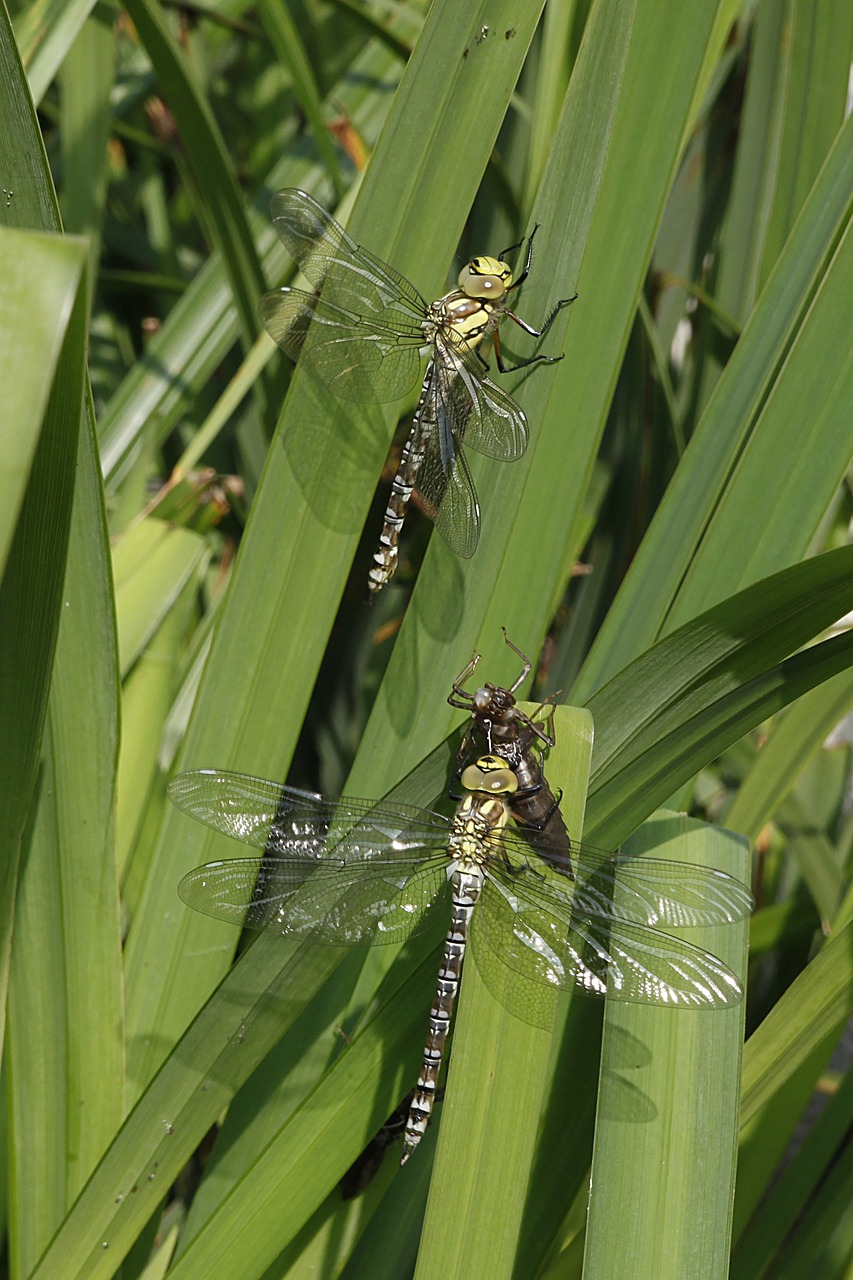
(499, 726)
(363, 333)
(350, 872)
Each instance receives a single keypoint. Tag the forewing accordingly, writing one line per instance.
(331, 900)
(546, 941)
(369, 329)
(639, 889)
(356, 359)
(302, 826)
(322, 248)
(656, 891)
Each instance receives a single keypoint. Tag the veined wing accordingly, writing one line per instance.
(305, 827)
(545, 942)
(639, 890)
(459, 403)
(350, 871)
(449, 498)
(324, 251)
(473, 408)
(332, 899)
(368, 303)
(656, 891)
(359, 358)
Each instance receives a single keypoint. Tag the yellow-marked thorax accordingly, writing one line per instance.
(484, 811)
(470, 309)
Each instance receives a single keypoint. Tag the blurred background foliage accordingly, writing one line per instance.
(187, 524)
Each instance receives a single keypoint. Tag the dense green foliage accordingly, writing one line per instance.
(186, 525)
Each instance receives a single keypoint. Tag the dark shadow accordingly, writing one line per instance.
(334, 449)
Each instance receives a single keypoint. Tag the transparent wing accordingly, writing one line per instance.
(459, 403)
(364, 283)
(656, 891)
(472, 407)
(305, 827)
(368, 326)
(351, 871)
(544, 942)
(636, 890)
(450, 499)
(332, 900)
(358, 358)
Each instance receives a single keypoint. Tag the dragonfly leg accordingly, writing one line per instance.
(537, 725)
(534, 333)
(462, 698)
(525, 670)
(526, 272)
(548, 321)
(522, 364)
(502, 256)
(519, 868)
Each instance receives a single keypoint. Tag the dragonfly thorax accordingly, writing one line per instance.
(459, 313)
(475, 835)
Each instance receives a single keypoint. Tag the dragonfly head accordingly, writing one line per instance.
(485, 278)
(490, 774)
(491, 699)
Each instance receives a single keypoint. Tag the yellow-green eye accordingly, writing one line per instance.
(490, 774)
(485, 278)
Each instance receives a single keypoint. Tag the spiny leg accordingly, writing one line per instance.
(534, 333)
(524, 658)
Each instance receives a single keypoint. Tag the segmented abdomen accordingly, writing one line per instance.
(466, 890)
(386, 554)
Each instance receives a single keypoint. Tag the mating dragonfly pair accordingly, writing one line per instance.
(547, 914)
(363, 333)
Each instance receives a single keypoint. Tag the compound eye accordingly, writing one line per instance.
(485, 278)
(490, 774)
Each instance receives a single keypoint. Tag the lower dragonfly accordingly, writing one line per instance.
(500, 727)
(363, 333)
(354, 872)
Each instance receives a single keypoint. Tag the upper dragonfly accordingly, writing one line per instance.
(370, 328)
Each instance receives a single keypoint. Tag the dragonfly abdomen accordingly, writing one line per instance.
(467, 887)
(386, 554)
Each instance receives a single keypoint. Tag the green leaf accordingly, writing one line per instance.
(794, 735)
(220, 204)
(152, 564)
(704, 686)
(790, 1200)
(668, 1104)
(783, 1060)
(767, 379)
